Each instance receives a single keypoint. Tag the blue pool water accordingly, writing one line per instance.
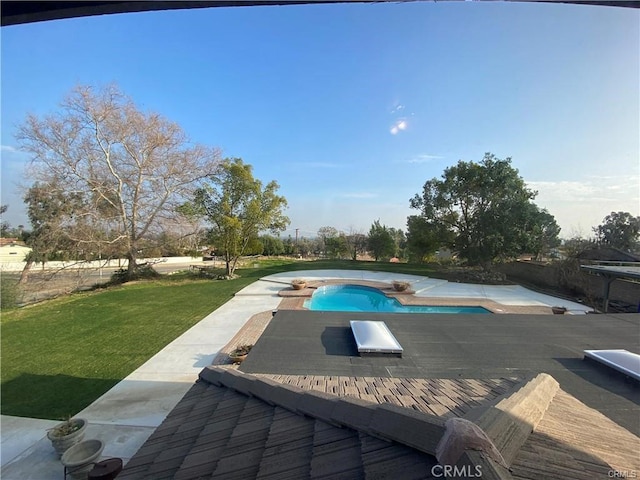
(356, 298)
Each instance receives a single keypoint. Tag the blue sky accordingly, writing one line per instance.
(351, 108)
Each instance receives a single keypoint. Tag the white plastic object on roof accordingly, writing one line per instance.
(374, 337)
(622, 360)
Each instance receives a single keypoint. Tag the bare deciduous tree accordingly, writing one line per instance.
(129, 168)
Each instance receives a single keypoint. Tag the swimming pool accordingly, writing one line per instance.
(357, 298)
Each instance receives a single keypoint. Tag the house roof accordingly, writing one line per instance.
(462, 346)
(231, 425)
(4, 241)
(613, 271)
(324, 415)
(236, 425)
(608, 254)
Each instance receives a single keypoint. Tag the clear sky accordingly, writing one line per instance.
(351, 108)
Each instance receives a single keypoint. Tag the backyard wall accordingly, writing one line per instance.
(585, 284)
(117, 263)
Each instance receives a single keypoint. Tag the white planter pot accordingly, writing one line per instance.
(80, 458)
(62, 444)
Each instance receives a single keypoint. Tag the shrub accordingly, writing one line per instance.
(142, 272)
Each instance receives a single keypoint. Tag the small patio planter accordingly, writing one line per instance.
(298, 284)
(240, 353)
(559, 310)
(66, 434)
(399, 286)
(79, 460)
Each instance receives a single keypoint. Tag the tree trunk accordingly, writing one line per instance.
(131, 267)
(230, 264)
(25, 272)
(234, 264)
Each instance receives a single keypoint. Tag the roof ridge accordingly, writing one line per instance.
(508, 420)
(497, 430)
(415, 429)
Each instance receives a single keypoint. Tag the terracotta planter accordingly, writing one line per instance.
(80, 459)
(559, 310)
(298, 286)
(62, 443)
(237, 358)
(400, 286)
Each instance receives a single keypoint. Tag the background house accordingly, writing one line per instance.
(12, 250)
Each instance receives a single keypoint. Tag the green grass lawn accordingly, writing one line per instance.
(61, 355)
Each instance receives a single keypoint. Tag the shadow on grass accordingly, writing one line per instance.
(53, 397)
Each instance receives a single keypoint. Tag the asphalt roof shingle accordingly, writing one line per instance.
(217, 431)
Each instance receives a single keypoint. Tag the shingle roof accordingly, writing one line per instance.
(446, 397)
(608, 254)
(569, 439)
(217, 431)
(235, 425)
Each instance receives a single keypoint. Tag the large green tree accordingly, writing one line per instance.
(271, 245)
(337, 247)
(541, 232)
(485, 206)
(400, 240)
(239, 208)
(357, 243)
(326, 234)
(620, 230)
(380, 242)
(424, 238)
(49, 210)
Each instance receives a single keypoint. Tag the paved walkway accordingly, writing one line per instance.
(125, 416)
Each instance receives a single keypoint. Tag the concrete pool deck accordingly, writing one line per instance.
(432, 291)
(125, 416)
